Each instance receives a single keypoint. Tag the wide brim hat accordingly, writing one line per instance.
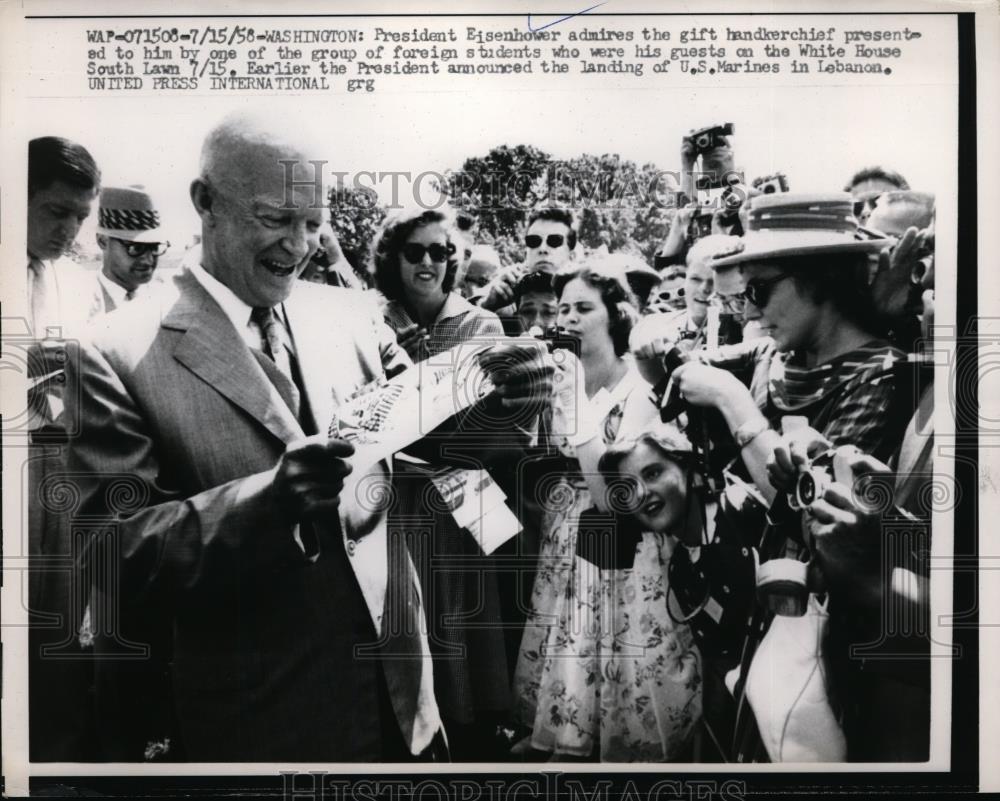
(784, 225)
(128, 213)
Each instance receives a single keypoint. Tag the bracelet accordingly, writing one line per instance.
(749, 431)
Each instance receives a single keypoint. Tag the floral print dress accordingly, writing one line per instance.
(603, 671)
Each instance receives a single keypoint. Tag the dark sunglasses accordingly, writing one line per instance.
(414, 252)
(552, 240)
(137, 249)
(668, 295)
(866, 202)
(759, 290)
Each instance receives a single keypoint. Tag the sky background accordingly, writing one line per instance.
(818, 129)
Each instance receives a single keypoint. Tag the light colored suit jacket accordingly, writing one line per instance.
(101, 301)
(179, 430)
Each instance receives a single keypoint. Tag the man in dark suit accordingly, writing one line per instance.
(295, 616)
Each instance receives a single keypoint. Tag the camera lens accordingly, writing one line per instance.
(703, 141)
(805, 489)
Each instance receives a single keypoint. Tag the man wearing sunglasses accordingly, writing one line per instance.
(867, 184)
(131, 242)
(549, 244)
(550, 240)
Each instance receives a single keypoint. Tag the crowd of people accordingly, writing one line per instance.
(700, 571)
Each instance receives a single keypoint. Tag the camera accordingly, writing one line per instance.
(706, 139)
(771, 184)
(671, 403)
(555, 339)
(728, 204)
(817, 474)
(701, 224)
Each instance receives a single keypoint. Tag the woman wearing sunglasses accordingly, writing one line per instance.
(574, 698)
(823, 356)
(416, 263)
(415, 268)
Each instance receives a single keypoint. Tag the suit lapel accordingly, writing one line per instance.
(213, 350)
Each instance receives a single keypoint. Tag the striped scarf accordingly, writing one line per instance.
(793, 388)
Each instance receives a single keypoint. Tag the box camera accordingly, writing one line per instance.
(771, 184)
(706, 139)
(701, 224)
(728, 204)
(555, 338)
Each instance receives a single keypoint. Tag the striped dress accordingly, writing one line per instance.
(848, 399)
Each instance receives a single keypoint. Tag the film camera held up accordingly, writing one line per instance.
(725, 207)
(706, 139)
(771, 184)
(782, 583)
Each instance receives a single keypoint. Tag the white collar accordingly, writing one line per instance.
(116, 291)
(237, 311)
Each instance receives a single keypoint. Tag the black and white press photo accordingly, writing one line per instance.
(527, 394)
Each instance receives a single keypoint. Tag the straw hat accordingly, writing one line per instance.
(783, 225)
(128, 213)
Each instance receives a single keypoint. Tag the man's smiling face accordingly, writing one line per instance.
(262, 230)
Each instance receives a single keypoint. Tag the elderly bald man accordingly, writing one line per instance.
(296, 618)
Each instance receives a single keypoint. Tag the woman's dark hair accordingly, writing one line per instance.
(841, 279)
(618, 299)
(389, 243)
(52, 158)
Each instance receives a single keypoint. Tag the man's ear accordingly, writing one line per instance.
(102, 241)
(203, 200)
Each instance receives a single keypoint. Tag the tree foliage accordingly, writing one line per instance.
(618, 204)
(355, 215)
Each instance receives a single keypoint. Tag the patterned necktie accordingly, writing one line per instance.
(277, 348)
(274, 341)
